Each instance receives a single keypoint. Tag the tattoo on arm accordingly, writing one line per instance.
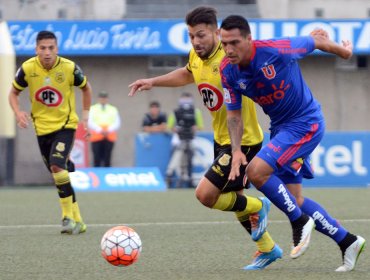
(235, 127)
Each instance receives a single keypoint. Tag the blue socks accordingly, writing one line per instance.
(275, 190)
(324, 222)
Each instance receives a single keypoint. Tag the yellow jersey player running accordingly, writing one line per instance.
(50, 80)
(214, 189)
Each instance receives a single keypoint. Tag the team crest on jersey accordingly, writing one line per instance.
(269, 71)
(224, 160)
(59, 77)
(242, 85)
(212, 96)
(60, 147)
(215, 68)
(49, 96)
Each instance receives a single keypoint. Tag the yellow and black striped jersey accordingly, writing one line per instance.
(208, 80)
(51, 93)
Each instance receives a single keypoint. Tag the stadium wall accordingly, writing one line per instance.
(344, 96)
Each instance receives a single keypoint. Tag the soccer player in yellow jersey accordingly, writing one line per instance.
(50, 80)
(214, 189)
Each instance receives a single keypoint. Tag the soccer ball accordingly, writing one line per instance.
(121, 246)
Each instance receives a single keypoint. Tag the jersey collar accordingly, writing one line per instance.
(253, 50)
(219, 46)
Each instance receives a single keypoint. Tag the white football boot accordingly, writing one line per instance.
(301, 238)
(351, 255)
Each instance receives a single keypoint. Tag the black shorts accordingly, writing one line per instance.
(219, 171)
(56, 147)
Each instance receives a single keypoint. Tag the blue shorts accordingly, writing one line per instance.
(289, 149)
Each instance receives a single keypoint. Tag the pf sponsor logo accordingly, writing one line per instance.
(212, 96)
(49, 96)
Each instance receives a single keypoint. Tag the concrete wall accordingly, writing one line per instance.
(344, 96)
(303, 9)
(62, 9)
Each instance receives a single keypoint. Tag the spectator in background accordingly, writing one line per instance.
(184, 122)
(104, 122)
(155, 120)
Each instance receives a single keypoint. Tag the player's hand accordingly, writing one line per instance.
(319, 32)
(23, 119)
(87, 133)
(348, 46)
(139, 85)
(238, 159)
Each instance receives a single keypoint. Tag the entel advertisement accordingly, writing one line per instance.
(166, 37)
(341, 160)
(117, 179)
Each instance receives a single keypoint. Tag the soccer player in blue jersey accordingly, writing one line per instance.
(267, 71)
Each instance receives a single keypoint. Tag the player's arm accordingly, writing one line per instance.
(22, 117)
(323, 43)
(155, 128)
(86, 103)
(233, 102)
(81, 81)
(19, 84)
(235, 126)
(176, 78)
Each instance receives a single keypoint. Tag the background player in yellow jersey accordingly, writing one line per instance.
(50, 80)
(215, 190)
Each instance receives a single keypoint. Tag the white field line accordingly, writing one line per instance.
(166, 224)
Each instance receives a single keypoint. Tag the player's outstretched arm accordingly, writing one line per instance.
(22, 117)
(86, 103)
(323, 43)
(176, 78)
(235, 127)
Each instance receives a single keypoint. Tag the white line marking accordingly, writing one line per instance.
(169, 224)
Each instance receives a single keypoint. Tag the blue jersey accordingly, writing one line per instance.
(274, 81)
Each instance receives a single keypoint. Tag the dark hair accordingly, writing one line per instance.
(154, 104)
(236, 22)
(45, 35)
(103, 94)
(203, 14)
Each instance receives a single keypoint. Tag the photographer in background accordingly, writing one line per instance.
(184, 122)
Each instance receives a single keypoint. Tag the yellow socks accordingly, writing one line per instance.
(231, 201)
(65, 192)
(66, 205)
(225, 202)
(76, 212)
(265, 243)
(253, 205)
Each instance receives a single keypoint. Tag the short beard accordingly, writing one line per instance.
(204, 57)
